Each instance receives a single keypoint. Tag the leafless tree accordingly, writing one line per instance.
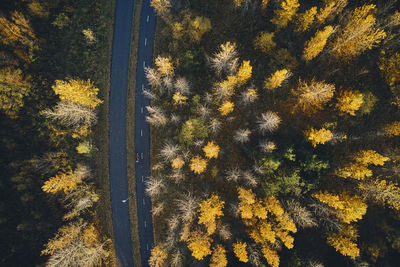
(267, 146)
(326, 216)
(226, 59)
(169, 151)
(247, 98)
(250, 179)
(234, 209)
(313, 263)
(150, 95)
(258, 169)
(157, 117)
(175, 119)
(168, 82)
(203, 111)
(198, 143)
(225, 232)
(300, 215)
(82, 171)
(233, 175)
(214, 126)
(71, 114)
(173, 223)
(50, 162)
(268, 122)
(208, 98)
(157, 209)
(79, 201)
(153, 77)
(155, 186)
(187, 205)
(177, 176)
(254, 255)
(177, 258)
(242, 136)
(182, 86)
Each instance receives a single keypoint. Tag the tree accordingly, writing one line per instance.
(187, 206)
(78, 91)
(354, 170)
(90, 38)
(393, 129)
(226, 108)
(17, 30)
(286, 12)
(84, 147)
(264, 42)
(198, 27)
(239, 248)
(244, 73)
(358, 34)
(177, 163)
(311, 96)
(179, 99)
(248, 96)
(242, 136)
(40, 10)
(349, 102)
(71, 114)
(209, 211)
(153, 77)
(192, 129)
(218, 257)
(306, 19)
(66, 182)
(162, 7)
(344, 241)
(268, 122)
(226, 59)
(267, 146)
(157, 257)
(79, 201)
(154, 186)
(317, 43)
(275, 80)
(300, 215)
(368, 157)
(164, 66)
(199, 244)
(64, 236)
(332, 7)
(270, 255)
(211, 150)
(320, 136)
(390, 69)
(14, 86)
(198, 164)
(169, 151)
(381, 191)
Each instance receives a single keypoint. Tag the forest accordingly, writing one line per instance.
(275, 133)
(51, 87)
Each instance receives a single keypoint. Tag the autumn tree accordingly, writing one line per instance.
(64, 236)
(317, 43)
(211, 150)
(78, 91)
(157, 257)
(248, 96)
(239, 248)
(244, 73)
(369, 157)
(358, 34)
(354, 170)
(305, 20)
(330, 10)
(177, 163)
(191, 130)
(209, 212)
(226, 59)
(285, 13)
(312, 95)
(162, 7)
(390, 69)
(386, 193)
(393, 129)
(199, 244)
(264, 42)
(270, 255)
(320, 136)
(156, 116)
(179, 99)
(198, 164)
(218, 257)
(79, 201)
(66, 182)
(14, 86)
(349, 102)
(155, 186)
(226, 108)
(191, 28)
(268, 122)
(344, 241)
(17, 30)
(242, 135)
(276, 79)
(164, 66)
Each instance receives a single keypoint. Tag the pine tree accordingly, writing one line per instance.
(285, 13)
(239, 248)
(320, 136)
(316, 44)
(276, 79)
(349, 102)
(244, 73)
(66, 182)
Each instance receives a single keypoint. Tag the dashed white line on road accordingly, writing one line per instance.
(148, 18)
(141, 132)
(142, 178)
(141, 110)
(145, 41)
(144, 202)
(147, 246)
(142, 86)
(141, 154)
(145, 225)
(144, 64)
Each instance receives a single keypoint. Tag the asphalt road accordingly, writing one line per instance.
(118, 96)
(142, 132)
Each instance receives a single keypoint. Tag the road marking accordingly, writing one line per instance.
(145, 225)
(141, 132)
(147, 246)
(145, 41)
(142, 86)
(148, 18)
(144, 202)
(141, 154)
(142, 178)
(141, 110)
(144, 64)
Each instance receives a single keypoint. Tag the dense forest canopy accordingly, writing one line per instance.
(275, 129)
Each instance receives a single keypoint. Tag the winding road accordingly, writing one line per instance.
(117, 117)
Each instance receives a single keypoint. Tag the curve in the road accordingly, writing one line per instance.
(117, 117)
(142, 131)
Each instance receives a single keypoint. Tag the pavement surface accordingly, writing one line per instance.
(119, 82)
(118, 96)
(142, 131)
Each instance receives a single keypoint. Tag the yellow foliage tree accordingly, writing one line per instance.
(350, 208)
(358, 34)
(164, 66)
(355, 170)
(226, 108)
(239, 248)
(210, 210)
(393, 129)
(244, 73)
(306, 19)
(17, 30)
(368, 157)
(276, 79)
(78, 91)
(349, 102)
(90, 235)
(316, 44)
(270, 255)
(198, 164)
(218, 257)
(63, 238)
(162, 7)
(66, 182)
(177, 163)
(39, 9)
(344, 241)
(320, 136)
(179, 99)
(285, 13)
(157, 257)
(199, 244)
(331, 8)
(211, 150)
(383, 192)
(311, 96)
(264, 42)
(198, 27)
(390, 68)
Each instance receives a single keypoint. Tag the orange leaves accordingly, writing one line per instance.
(210, 210)
(63, 238)
(198, 164)
(318, 136)
(211, 150)
(239, 248)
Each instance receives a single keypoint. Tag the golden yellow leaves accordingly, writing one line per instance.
(318, 136)
(393, 129)
(264, 42)
(285, 13)
(270, 255)
(354, 170)
(198, 164)
(226, 108)
(66, 182)
(317, 43)
(344, 241)
(211, 150)
(157, 257)
(164, 66)
(218, 258)
(276, 79)
(368, 157)
(63, 238)
(304, 20)
(199, 244)
(239, 248)
(244, 73)
(177, 163)
(162, 7)
(349, 102)
(179, 99)
(78, 91)
(210, 210)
